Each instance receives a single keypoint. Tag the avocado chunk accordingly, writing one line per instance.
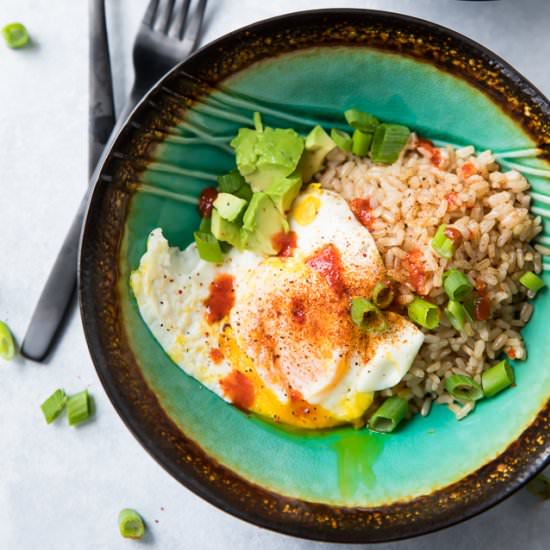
(229, 206)
(266, 154)
(317, 146)
(262, 221)
(225, 231)
(283, 192)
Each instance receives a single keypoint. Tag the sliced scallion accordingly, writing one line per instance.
(15, 35)
(531, 281)
(457, 314)
(463, 388)
(457, 285)
(382, 294)
(388, 142)
(230, 182)
(208, 247)
(367, 316)
(442, 244)
(7, 344)
(342, 139)
(497, 378)
(423, 313)
(360, 143)
(78, 408)
(389, 414)
(257, 119)
(130, 524)
(361, 120)
(52, 407)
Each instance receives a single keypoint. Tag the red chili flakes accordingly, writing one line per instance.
(414, 264)
(239, 389)
(454, 234)
(327, 262)
(452, 199)
(298, 310)
(206, 201)
(363, 212)
(216, 355)
(511, 353)
(468, 169)
(285, 243)
(220, 299)
(434, 152)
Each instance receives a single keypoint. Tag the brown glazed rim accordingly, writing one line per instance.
(118, 368)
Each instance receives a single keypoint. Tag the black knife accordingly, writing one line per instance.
(58, 292)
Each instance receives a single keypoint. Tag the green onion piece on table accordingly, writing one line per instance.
(208, 247)
(367, 316)
(130, 524)
(231, 182)
(457, 314)
(361, 120)
(463, 388)
(78, 408)
(442, 244)
(383, 294)
(342, 139)
(388, 142)
(7, 344)
(53, 406)
(531, 281)
(360, 143)
(389, 414)
(457, 285)
(497, 378)
(423, 313)
(15, 35)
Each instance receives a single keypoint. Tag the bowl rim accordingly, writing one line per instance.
(538, 459)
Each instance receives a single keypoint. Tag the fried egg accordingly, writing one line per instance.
(273, 335)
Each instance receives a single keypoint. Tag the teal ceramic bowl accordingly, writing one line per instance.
(342, 484)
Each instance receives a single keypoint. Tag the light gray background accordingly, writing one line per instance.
(61, 488)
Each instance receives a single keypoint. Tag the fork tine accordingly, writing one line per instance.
(178, 24)
(193, 31)
(165, 17)
(150, 13)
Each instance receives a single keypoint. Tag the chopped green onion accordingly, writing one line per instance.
(423, 313)
(497, 378)
(389, 414)
(531, 281)
(383, 294)
(78, 408)
(360, 143)
(457, 285)
(367, 316)
(244, 192)
(342, 139)
(208, 247)
(361, 120)
(54, 405)
(463, 388)
(7, 344)
(206, 225)
(388, 142)
(257, 119)
(15, 35)
(443, 245)
(231, 182)
(130, 524)
(457, 314)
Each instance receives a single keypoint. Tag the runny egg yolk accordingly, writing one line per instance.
(307, 207)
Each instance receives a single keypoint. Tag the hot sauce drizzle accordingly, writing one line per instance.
(327, 262)
(220, 299)
(363, 212)
(239, 389)
(216, 355)
(285, 243)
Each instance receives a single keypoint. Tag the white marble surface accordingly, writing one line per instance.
(61, 488)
